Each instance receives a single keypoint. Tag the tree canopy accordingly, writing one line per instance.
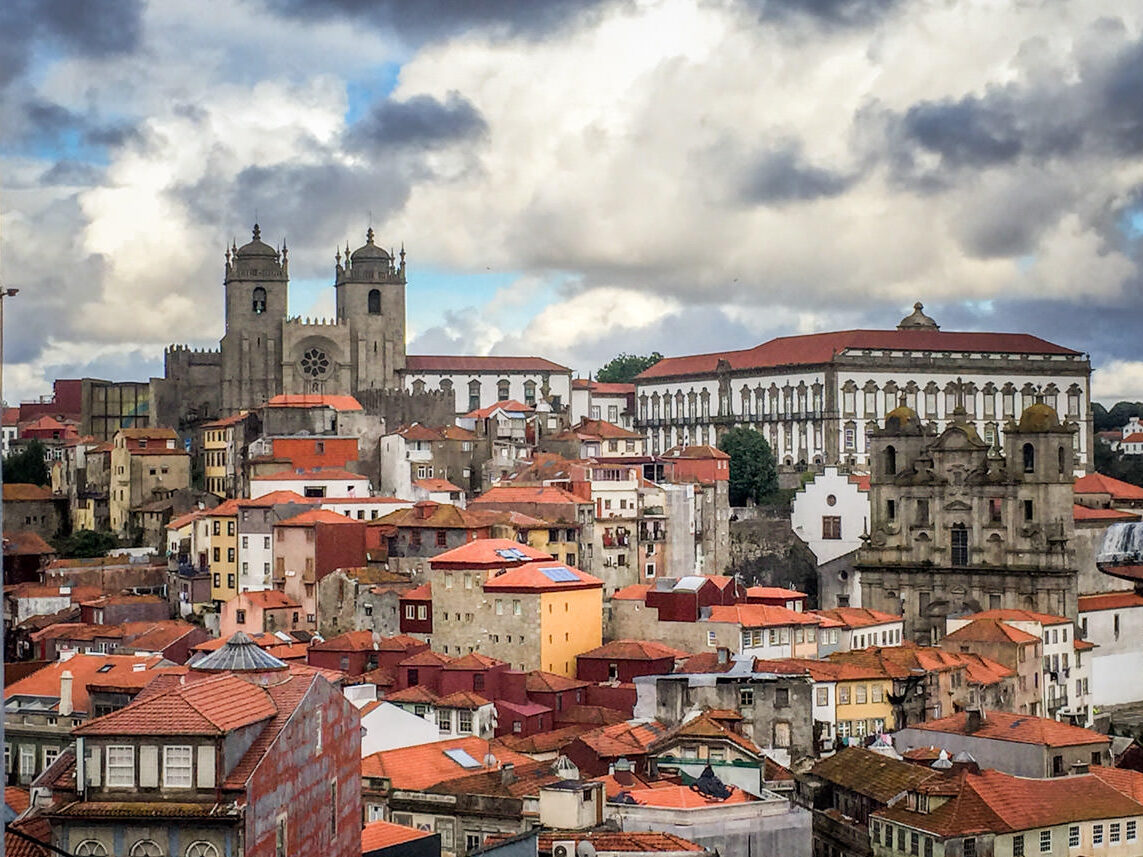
(1104, 419)
(27, 465)
(85, 544)
(753, 474)
(623, 368)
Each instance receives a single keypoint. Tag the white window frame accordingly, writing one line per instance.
(121, 770)
(173, 768)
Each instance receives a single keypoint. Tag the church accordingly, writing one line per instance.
(265, 352)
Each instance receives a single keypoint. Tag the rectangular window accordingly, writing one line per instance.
(843, 695)
(1113, 832)
(444, 719)
(464, 721)
(1130, 831)
(831, 526)
(914, 842)
(121, 766)
(1045, 841)
(1097, 834)
(1018, 845)
(1029, 510)
(823, 696)
(422, 611)
(859, 696)
(177, 767)
(1074, 836)
(745, 696)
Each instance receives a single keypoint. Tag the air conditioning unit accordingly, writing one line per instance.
(563, 848)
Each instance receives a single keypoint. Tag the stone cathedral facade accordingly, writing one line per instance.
(264, 352)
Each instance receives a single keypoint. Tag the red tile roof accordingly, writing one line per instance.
(128, 671)
(315, 516)
(1098, 483)
(995, 802)
(15, 492)
(189, 518)
(821, 348)
(338, 403)
(366, 641)
(424, 592)
(632, 592)
(528, 494)
(456, 363)
(542, 576)
(1084, 513)
(423, 765)
(462, 699)
(1021, 728)
(685, 797)
(1110, 601)
(474, 661)
(440, 516)
(268, 599)
(418, 694)
(26, 543)
(486, 553)
(858, 617)
(604, 430)
(990, 631)
(510, 406)
(1015, 614)
(17, 798)
(539, 681)
(634, 650)
(262, 639)
(275, 498)
(383, 834)
(624, 739)
(700, 452)
(213, 706)
(436, 485)
(427, 658)
(226, 422)
(775, 592)
(760, 615)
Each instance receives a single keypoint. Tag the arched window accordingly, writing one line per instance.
(201, 849)
(529, 392)
(146, 848)
(890, 461)
(375, 302)
(419, 387)
(90, 848)
(258, 301)
(1062, 460)
(502, 390)
(473, 395)
(1029, 458)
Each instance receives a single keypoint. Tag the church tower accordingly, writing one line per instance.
(256, 285)
(370, 293)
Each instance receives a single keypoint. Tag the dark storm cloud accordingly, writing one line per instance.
(45, 124)
(783, 175)
(842, 13)
(91, 29)
(71, 173)
(421, 122)
(433, 20)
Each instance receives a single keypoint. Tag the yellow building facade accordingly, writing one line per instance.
(222, 525)
(571, 622)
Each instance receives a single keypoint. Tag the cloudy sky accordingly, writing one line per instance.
(574, 178)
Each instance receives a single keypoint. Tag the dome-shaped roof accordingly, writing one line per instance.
(1039, 417)
(902, 417)
(257, 247)
(917, 320)
(240, 654)
(369, 250)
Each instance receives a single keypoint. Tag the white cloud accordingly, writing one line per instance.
(1118, 380)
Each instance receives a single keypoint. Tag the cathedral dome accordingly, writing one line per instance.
(369, 250)
(917, 320)
(257, 247)
(1039, 417)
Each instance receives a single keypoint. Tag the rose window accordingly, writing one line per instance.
(315, 363)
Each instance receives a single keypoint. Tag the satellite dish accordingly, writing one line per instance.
(584, 849)
(490, 761)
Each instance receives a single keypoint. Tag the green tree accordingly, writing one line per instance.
(753, 474)
(85, 544)
(27, 465)
(1116, 417)
(623, 368)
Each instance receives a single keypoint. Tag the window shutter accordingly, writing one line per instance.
(148, 766)
(94, 761)
(206, 766)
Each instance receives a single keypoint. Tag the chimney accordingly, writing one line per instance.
(975, 720)
(65, 694)
(507, 773)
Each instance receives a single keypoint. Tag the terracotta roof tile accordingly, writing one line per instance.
(383, 834)
(427, 658)
(638, 650)
(440, 516)
(1110, 601)
(684, 797)
(871, 774)
(417, 694)
(510, 406)
(858, 617)
(1098, 483)
(15, 492)
(1021, 728)
(760, 615)
(550, 576)
(438, 486)
(424, 765)
(624, 739)
(547, 494)
(474, 661)
(490, 553)
(633, 592)
(990, 631)
(1083, 513)
(130, 671)
(321, 474)
(1015, 614)
(821, 348)
(539, 681)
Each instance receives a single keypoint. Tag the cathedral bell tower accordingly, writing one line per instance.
(370, 293)
(256, 286)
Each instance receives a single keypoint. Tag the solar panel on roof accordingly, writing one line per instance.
(559, 574)
(506, 553)
(462, 758)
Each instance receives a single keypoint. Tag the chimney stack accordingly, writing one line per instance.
(975, 720)
(507, 773)
(66, 704)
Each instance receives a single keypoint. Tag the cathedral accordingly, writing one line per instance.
(265, 352)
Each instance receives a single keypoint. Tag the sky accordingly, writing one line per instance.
(574, 178)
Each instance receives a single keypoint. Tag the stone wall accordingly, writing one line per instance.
(764, 551)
